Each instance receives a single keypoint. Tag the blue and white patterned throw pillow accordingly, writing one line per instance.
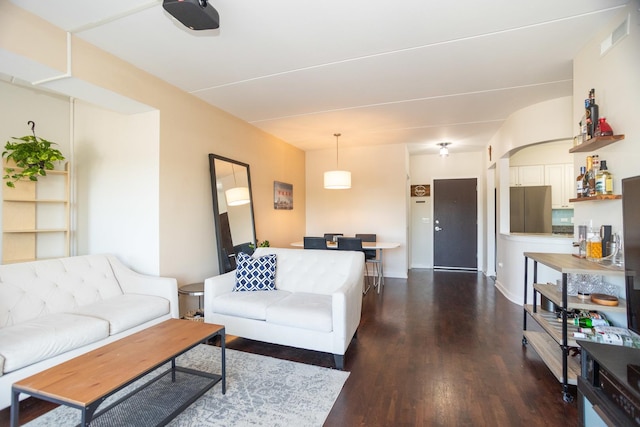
(255, 274)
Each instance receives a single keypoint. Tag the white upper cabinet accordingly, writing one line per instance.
(526, 175)
(563, 184)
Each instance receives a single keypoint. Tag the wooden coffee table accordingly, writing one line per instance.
(87, 380)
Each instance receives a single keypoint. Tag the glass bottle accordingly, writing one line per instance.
(593, 113)
(579, 182)
(588, 322)
(605, 129)
(587, 120)
(594, 246)
(604, 180)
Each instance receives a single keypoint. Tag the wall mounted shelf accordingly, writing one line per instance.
(596, 143)
(35, 218)
(597, 197)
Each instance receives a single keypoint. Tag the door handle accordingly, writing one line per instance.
(438, 228)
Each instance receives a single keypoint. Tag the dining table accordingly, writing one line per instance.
(379, 246)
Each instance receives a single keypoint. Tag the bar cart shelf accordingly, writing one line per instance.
(554, 344)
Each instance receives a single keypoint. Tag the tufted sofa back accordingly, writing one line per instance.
(314, 271)
(33, 289)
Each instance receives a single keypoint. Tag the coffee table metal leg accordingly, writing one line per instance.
(15, 408)
(224, 363)
(87, 412)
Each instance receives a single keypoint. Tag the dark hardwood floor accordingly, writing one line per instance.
(439, 349)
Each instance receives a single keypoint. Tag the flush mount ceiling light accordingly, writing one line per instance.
(337, 179)
(444, 151)
(236, 196)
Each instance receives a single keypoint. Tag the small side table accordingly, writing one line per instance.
(193, 290)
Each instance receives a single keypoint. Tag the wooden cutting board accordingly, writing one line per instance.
(604, 299)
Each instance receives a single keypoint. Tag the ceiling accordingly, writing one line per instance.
(413, 72)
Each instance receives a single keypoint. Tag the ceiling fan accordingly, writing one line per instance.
(194, 14)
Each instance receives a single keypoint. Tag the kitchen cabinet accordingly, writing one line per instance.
(526, 175)
(555, 342)
(563, 184)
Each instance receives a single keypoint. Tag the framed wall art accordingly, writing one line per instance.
(282, 195)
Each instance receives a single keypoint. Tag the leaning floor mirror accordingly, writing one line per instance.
(232, 209)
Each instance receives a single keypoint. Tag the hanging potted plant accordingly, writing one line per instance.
(33, 157)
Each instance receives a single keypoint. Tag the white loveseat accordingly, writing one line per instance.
(54, 310)
(316, 305)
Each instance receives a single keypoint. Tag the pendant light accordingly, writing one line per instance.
(444, 151)
(337, 179)
(236, 196)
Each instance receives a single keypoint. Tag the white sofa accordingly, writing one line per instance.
(316, 305)
(54, 310)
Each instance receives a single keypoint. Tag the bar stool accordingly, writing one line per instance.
(371, 257)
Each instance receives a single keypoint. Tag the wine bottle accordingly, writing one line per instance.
(580, 181)
(587, 322)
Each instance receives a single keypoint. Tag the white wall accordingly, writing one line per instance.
(616, 79)
(426, 168)
(117, 185)
(376, 202)
(547, 153)
(543, 122)
(50, 112)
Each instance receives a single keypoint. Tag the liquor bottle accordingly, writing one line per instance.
(605, 128)
(587, 322)
(580, 181)
(586, 192)
(587, 120)
(593, 163)
(604, 180)
(593, 112)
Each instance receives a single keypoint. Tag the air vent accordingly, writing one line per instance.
(618, 34)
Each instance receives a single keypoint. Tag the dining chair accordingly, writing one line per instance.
(353, 244)
(315, 242)
(371, 258)
(246, 247)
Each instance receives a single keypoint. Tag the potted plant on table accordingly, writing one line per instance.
(33, 157)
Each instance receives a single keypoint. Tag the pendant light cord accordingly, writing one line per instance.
(337, 135)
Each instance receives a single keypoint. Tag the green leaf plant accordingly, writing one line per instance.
(32, 155)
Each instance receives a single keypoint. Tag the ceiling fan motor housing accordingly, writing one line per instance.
(194, 14)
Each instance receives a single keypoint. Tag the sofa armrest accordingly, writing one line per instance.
(133, 282)
(216, 286)
(347, 304)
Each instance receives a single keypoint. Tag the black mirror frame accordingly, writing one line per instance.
(216, 211)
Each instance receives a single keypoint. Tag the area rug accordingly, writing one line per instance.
(261, 391)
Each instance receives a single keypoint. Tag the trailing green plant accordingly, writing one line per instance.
(32, 155)
(263, 244)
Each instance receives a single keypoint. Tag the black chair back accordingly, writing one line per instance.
(349, 244)
(246, 247)
(368, 253)
(315, 243)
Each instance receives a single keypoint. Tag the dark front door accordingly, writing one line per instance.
(455, 221)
